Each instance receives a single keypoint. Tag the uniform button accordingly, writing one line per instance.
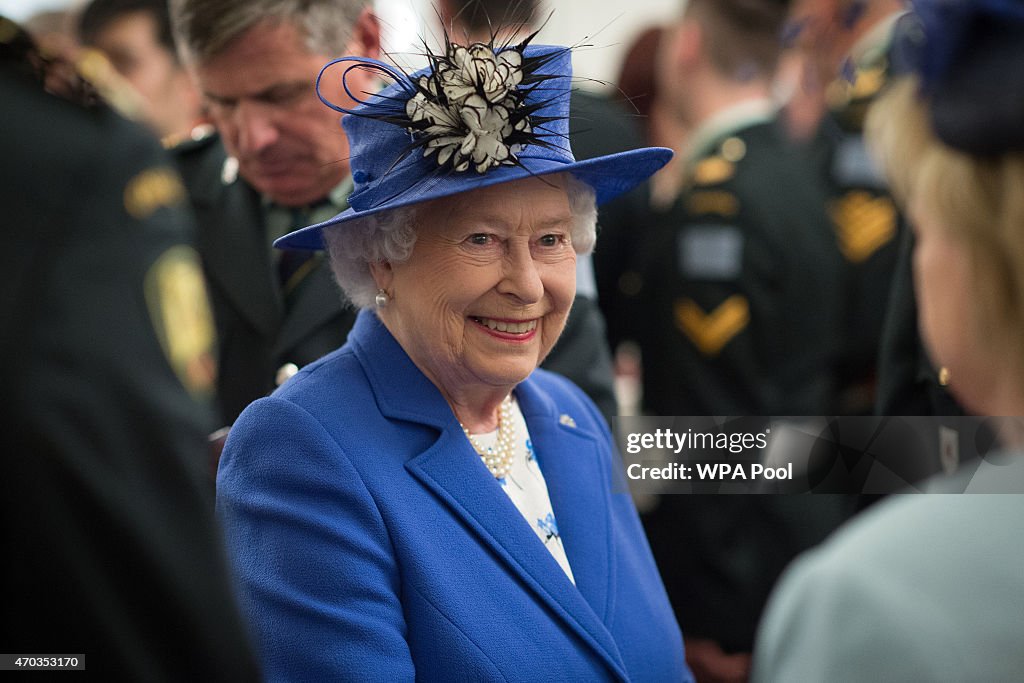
(734, 149)
(229, 171)
(630, 283)
(285, 372)
(566, 420)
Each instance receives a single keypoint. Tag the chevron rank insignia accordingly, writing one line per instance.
(864, 223)
(710, 332)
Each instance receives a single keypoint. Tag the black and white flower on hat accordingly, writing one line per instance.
(469, 110)
(467, 107)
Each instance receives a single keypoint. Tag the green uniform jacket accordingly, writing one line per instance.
(257, 336)
(109, 544)
(741, 305)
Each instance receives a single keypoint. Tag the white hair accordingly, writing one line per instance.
(203, 28)
(391, 235)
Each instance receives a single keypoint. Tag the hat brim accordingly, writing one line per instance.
(609, 176)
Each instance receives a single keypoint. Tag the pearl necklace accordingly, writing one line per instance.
(499, 459)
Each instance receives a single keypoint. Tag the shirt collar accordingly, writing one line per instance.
(873, 44)
(280, 220)
(726, 122)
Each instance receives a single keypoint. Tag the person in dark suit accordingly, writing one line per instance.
(277, 160)
(846, 45)
(424, 502)
(885, 367)
(742, 272)
(109, 544)
(739, 314)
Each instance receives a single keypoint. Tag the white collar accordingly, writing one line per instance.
(726, 121)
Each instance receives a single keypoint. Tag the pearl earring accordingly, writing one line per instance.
(382, 298)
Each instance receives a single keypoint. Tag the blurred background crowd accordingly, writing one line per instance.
(765, 271)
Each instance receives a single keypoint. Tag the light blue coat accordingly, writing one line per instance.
(371, 543)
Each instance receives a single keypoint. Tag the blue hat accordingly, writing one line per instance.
(477, 116)
(969, 56)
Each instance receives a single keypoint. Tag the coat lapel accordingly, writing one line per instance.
(454, 473)
(234, 247)
(577, 482)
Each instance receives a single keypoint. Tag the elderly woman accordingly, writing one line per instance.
(424, 502)
(929, 588)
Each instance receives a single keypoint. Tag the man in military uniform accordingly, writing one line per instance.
(847, 44)
(739, 312)
(886, 366)
(278, 160)
(741, 298)
(107, 510)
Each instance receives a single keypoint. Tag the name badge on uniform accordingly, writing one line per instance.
(854, 167)
(710, 252)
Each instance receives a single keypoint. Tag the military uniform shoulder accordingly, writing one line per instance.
(203, 161)
(39, 126)
(201, 139)
(850, 96)
(713, 179)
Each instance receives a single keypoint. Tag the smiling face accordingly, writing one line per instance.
(260, 94)
(488, 287)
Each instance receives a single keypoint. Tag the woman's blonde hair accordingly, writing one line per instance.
(978, 200)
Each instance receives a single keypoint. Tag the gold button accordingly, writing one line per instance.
(944, 376)
(734, 149)
(285, 373)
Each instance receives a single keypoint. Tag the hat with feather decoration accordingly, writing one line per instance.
(476, 116)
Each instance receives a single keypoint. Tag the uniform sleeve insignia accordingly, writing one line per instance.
(153, 189)
(179, 309)
(710, 332)
(712, 171)
(864, 223)
(716, 202)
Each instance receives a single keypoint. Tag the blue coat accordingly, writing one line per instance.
(371, 543)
